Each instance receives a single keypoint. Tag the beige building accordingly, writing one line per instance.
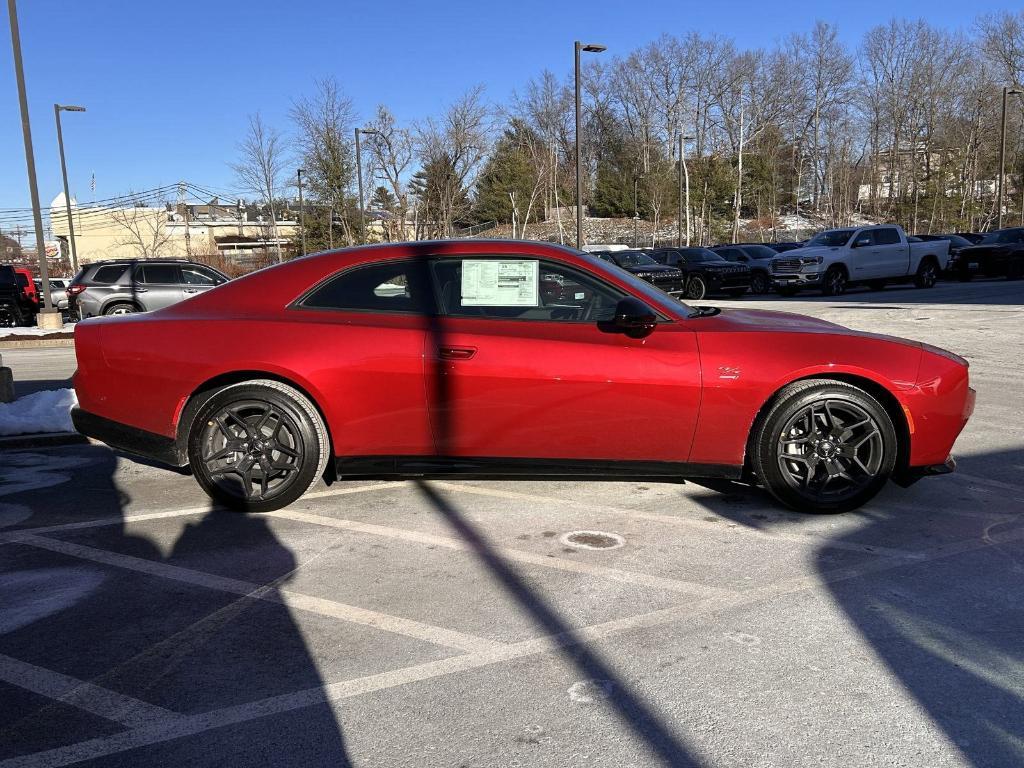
(165, 231)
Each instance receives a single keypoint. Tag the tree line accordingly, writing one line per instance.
(902, 127)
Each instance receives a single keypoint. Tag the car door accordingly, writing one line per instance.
(888, 256)
(366, 326)
(538, 376)
(196, 279)
(155, 286)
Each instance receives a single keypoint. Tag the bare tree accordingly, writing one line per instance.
(261, 167)
(392, 149)
(145, 229)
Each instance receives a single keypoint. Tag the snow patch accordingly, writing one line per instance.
(47, 411)
(67, 328)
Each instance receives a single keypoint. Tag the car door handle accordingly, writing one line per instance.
(140, 290)
(456, 353)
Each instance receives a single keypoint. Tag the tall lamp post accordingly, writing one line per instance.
(684, 182)
(302, 212)
(1007, 90)
(589, 48)
(57, 109)
(359, 173)
(49, 317)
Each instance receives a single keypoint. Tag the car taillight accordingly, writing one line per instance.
(74, 290)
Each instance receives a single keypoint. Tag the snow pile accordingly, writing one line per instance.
(47, 411)
(68, 328)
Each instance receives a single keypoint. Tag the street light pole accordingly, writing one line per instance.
(302, 213)
(57, 109)
(589, 48)
(1002, 155)
(359, 172)
(684, 181)
(46, 317)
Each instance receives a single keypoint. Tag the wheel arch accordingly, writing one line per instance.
(195, 400)
(876, 389)
(120, 300)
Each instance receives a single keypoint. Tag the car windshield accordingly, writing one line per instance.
(633, 259)
(1002, 236)
(759, 252)
(700, 254)
(832, 238)
(656, 296)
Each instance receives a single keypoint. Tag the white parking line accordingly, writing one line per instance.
(342, 611)
(78, 693)
(516, 555)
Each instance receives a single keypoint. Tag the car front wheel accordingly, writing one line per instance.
(257, 446)
(835, 282)
(696, 288)
(824, 446)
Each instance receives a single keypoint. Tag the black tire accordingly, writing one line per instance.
(736, 292)
(788, 291)
(759, 283)
(877, 285)
(696, 288)
(835, 282)
(257, 446)
(121, 308)
(820, 433)
(927, 273)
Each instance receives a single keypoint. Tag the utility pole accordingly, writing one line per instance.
(302, 215)
(49, 317)
(577, 48)
(1007, 90)
(57, 109)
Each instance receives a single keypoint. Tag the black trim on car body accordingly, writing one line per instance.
(116, 434)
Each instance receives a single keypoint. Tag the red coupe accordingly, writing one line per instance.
(492, 358)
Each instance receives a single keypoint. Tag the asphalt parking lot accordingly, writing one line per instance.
(462, 624)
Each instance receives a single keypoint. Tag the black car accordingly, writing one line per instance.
(973, 237)
(999, 254)
(757, 256)
(640, 263)
(15, 307)
(956, 244)
(705, 271)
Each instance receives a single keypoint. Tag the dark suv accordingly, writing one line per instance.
(15, 306)
(757, 257)
(125, 286)
(705, 272)
(640, 263)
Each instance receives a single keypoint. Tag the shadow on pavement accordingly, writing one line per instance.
(163, 641)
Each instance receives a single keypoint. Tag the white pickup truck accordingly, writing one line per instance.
(834, 259)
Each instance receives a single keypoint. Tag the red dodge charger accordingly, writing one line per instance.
(492, 358)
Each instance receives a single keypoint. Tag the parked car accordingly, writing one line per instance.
(263, 384)
(758, 259)
(667, 278)
(956, 244)
(126, 286)
(58, 292)
(28, 284)
(785, 246)
(15, 306)
(837, 258)
(705, 272)
(999, 254)
(974, 237)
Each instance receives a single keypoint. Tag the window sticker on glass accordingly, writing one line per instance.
(494, 283)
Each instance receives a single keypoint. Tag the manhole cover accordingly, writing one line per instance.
(592, 540)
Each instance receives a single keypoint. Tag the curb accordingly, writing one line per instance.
(35, 343)
(41, 440)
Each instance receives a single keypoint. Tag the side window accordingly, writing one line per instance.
(109, 274)
(887, 236)
(159, 274)
(866, 238)
(561, 293)
(194, 275)
(397, 286)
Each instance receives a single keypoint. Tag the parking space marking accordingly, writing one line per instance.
(350, 613)
(101, 522)
(192, 725)
(85, 696)
(681, 522)
(516, 555)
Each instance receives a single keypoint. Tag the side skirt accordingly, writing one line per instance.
(499, 467)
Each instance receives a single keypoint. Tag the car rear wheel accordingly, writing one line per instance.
(257, 446)
(927, 274)
(824, 446)
(121, 308)
(835, 282)
(696, 288)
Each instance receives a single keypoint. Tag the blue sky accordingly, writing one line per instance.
(168, 85)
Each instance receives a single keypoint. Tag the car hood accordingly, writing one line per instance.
(652, 269)
(770, 320)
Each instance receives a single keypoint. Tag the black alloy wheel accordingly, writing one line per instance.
(759, 283)
(257, 446)
(927, 274)
(835, 282)
(696, 288)
(825, 446)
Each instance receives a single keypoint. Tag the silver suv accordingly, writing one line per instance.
(127, 286)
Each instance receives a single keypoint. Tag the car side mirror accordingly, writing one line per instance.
(634, 318)
(861, 242)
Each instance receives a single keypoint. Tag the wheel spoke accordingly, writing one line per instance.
(232, 447)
